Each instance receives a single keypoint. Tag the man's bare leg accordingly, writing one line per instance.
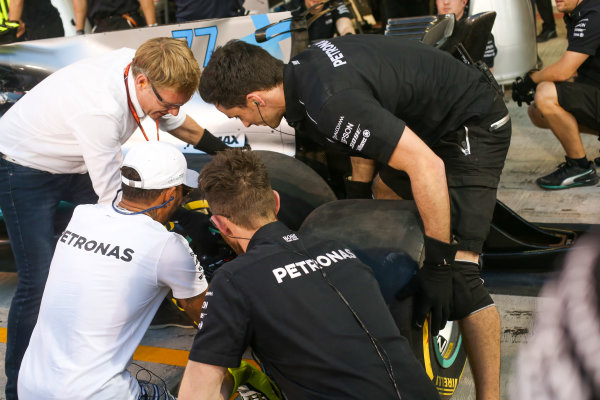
(481, 332)
(547, 113)
(383, 191)
(359, 184)
(363, 169)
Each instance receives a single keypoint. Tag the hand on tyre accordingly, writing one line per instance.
(434, 295)
(433, 285)
(523, 89)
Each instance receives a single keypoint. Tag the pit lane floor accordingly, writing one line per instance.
(533, 153)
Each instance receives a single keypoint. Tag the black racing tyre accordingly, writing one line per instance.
(387, 236)
(443, 356)
(300, 188)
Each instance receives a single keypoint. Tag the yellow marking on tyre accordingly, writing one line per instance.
(426, 358)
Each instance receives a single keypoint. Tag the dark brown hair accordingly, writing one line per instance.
(236, 184)
(237, 69)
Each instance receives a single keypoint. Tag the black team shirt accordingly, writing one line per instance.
(274, 299)
(324, 26)
(583, 35)
(361, 91)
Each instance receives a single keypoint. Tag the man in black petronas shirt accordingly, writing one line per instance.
(284, 296)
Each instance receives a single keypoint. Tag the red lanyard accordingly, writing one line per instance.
(132, 108)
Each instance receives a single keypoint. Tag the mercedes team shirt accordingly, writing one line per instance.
(361, 91)
(583, 35)
(275, 299)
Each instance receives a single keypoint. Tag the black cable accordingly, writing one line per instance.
(263, 120)
(159, 391)
(388, 365)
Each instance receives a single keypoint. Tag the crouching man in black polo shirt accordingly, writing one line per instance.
(567, 96)
(439, 127)
(310, 310)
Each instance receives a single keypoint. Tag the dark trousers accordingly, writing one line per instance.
(51, 28)
(547, 14)
(29, 199)
(403, 8)
(118, 23)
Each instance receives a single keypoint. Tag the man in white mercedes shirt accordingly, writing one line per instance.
(112, 268)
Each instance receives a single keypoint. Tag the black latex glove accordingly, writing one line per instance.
(210, 144)
(432, 285)
(523, 89)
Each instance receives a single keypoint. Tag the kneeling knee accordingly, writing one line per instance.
(546, 95)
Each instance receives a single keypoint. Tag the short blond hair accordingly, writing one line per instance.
(168, 63)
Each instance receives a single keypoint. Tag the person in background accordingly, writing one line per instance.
(69, 149)
(113, 15)
(458, 8)
(548, 25)
(566, 95)
(193, 10)
(112, 267)
(335, 21)
(38, 19)
(402, 9)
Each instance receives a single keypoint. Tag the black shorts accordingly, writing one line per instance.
(581, 100)
(477, 298)
(473, 156)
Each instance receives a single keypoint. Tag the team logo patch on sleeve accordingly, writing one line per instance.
(351, 134)
(580, 28)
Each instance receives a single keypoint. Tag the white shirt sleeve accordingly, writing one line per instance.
(180, 269)
(98, 137)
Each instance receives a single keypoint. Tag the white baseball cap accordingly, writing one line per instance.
(160, 165)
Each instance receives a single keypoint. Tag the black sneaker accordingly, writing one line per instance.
(569, 175)
(169, 315)
(546, 35)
